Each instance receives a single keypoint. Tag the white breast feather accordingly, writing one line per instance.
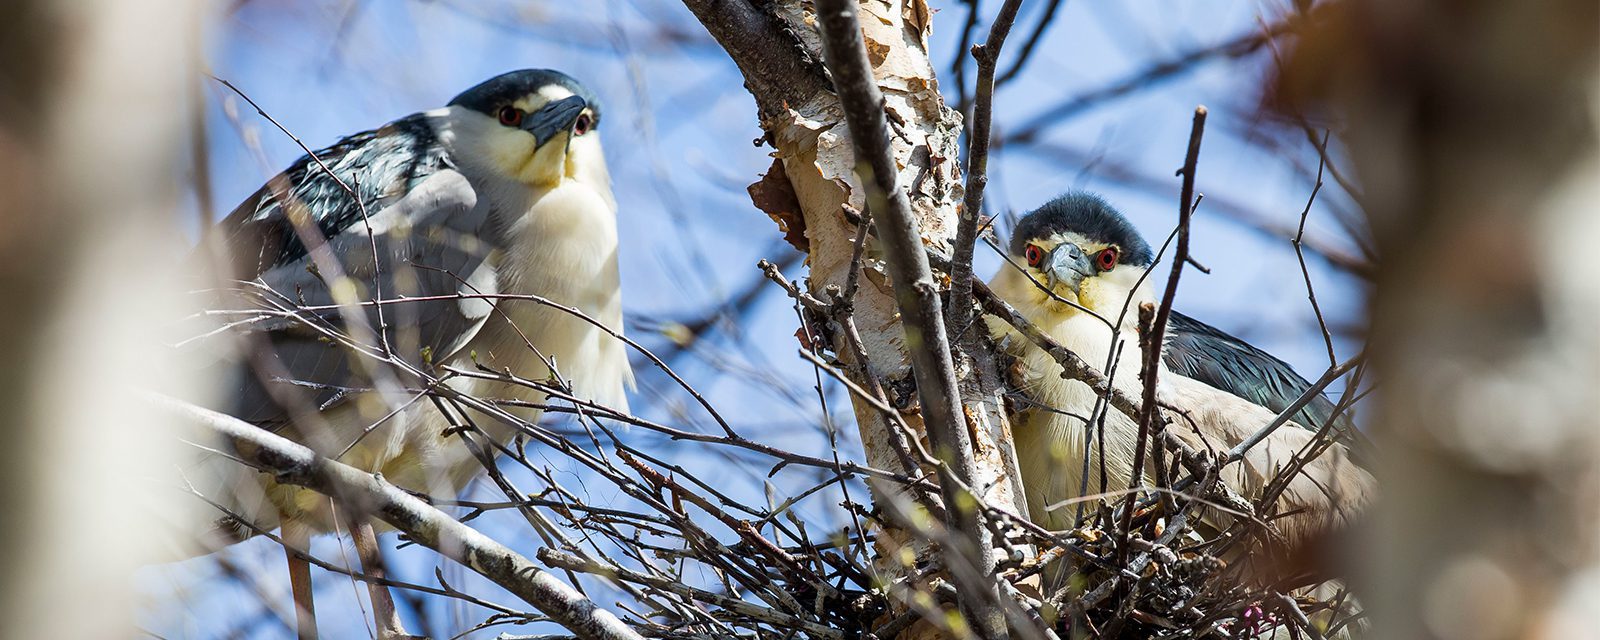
(1050, 438)
(1050, 444)
(565, 250)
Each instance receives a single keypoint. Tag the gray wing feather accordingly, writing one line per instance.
(1207, 354)
(428, 242)
(380, 166)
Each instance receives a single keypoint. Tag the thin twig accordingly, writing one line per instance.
(1300, 254)
(1155, 335)
(1312, 392)
(986, 55)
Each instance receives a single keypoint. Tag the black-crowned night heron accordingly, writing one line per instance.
(449, 215)
(1077, 271)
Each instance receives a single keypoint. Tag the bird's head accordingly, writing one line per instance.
(1081, 250)
(535, 126)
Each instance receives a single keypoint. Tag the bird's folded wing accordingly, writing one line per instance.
(421, 268)
(1329, 489)
(1207, 354)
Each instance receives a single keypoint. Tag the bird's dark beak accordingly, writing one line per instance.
(1068, 263)
(554, 118)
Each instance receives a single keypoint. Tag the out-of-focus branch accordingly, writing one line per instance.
(298, 465)
(918, 299)
(1029, 45)
(1243, 45)
(687, 334)
(89, 221)
(1473, 125)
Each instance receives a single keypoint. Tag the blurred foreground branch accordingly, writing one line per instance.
(88, 218)
(1473, 128)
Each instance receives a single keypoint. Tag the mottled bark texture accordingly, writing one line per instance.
(777, 48)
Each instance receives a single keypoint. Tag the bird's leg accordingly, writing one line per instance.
(296, 538)
(383, 611)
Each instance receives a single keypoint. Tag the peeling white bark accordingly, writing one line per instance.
(814, 146)
(805, 125)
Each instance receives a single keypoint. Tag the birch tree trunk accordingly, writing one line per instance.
(813, 186)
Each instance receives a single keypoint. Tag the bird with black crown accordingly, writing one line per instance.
(461, 238)
(1077, 270)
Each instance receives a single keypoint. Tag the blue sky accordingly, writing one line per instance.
(691, 236)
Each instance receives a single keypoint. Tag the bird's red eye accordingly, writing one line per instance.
(1034, 254)
(1106, 259)
(510, 116)
(584, 124)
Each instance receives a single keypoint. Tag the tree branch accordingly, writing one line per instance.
(291, 463)
(1154, 336)
(987, 54)
(917, 297)
(776, 68)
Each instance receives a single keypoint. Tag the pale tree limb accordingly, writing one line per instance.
(974, 352)
(362, 492)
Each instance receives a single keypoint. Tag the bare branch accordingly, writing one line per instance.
(1314, 391)
(987, 54)
(917, 297)
(298, 465)
(1154, 336)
